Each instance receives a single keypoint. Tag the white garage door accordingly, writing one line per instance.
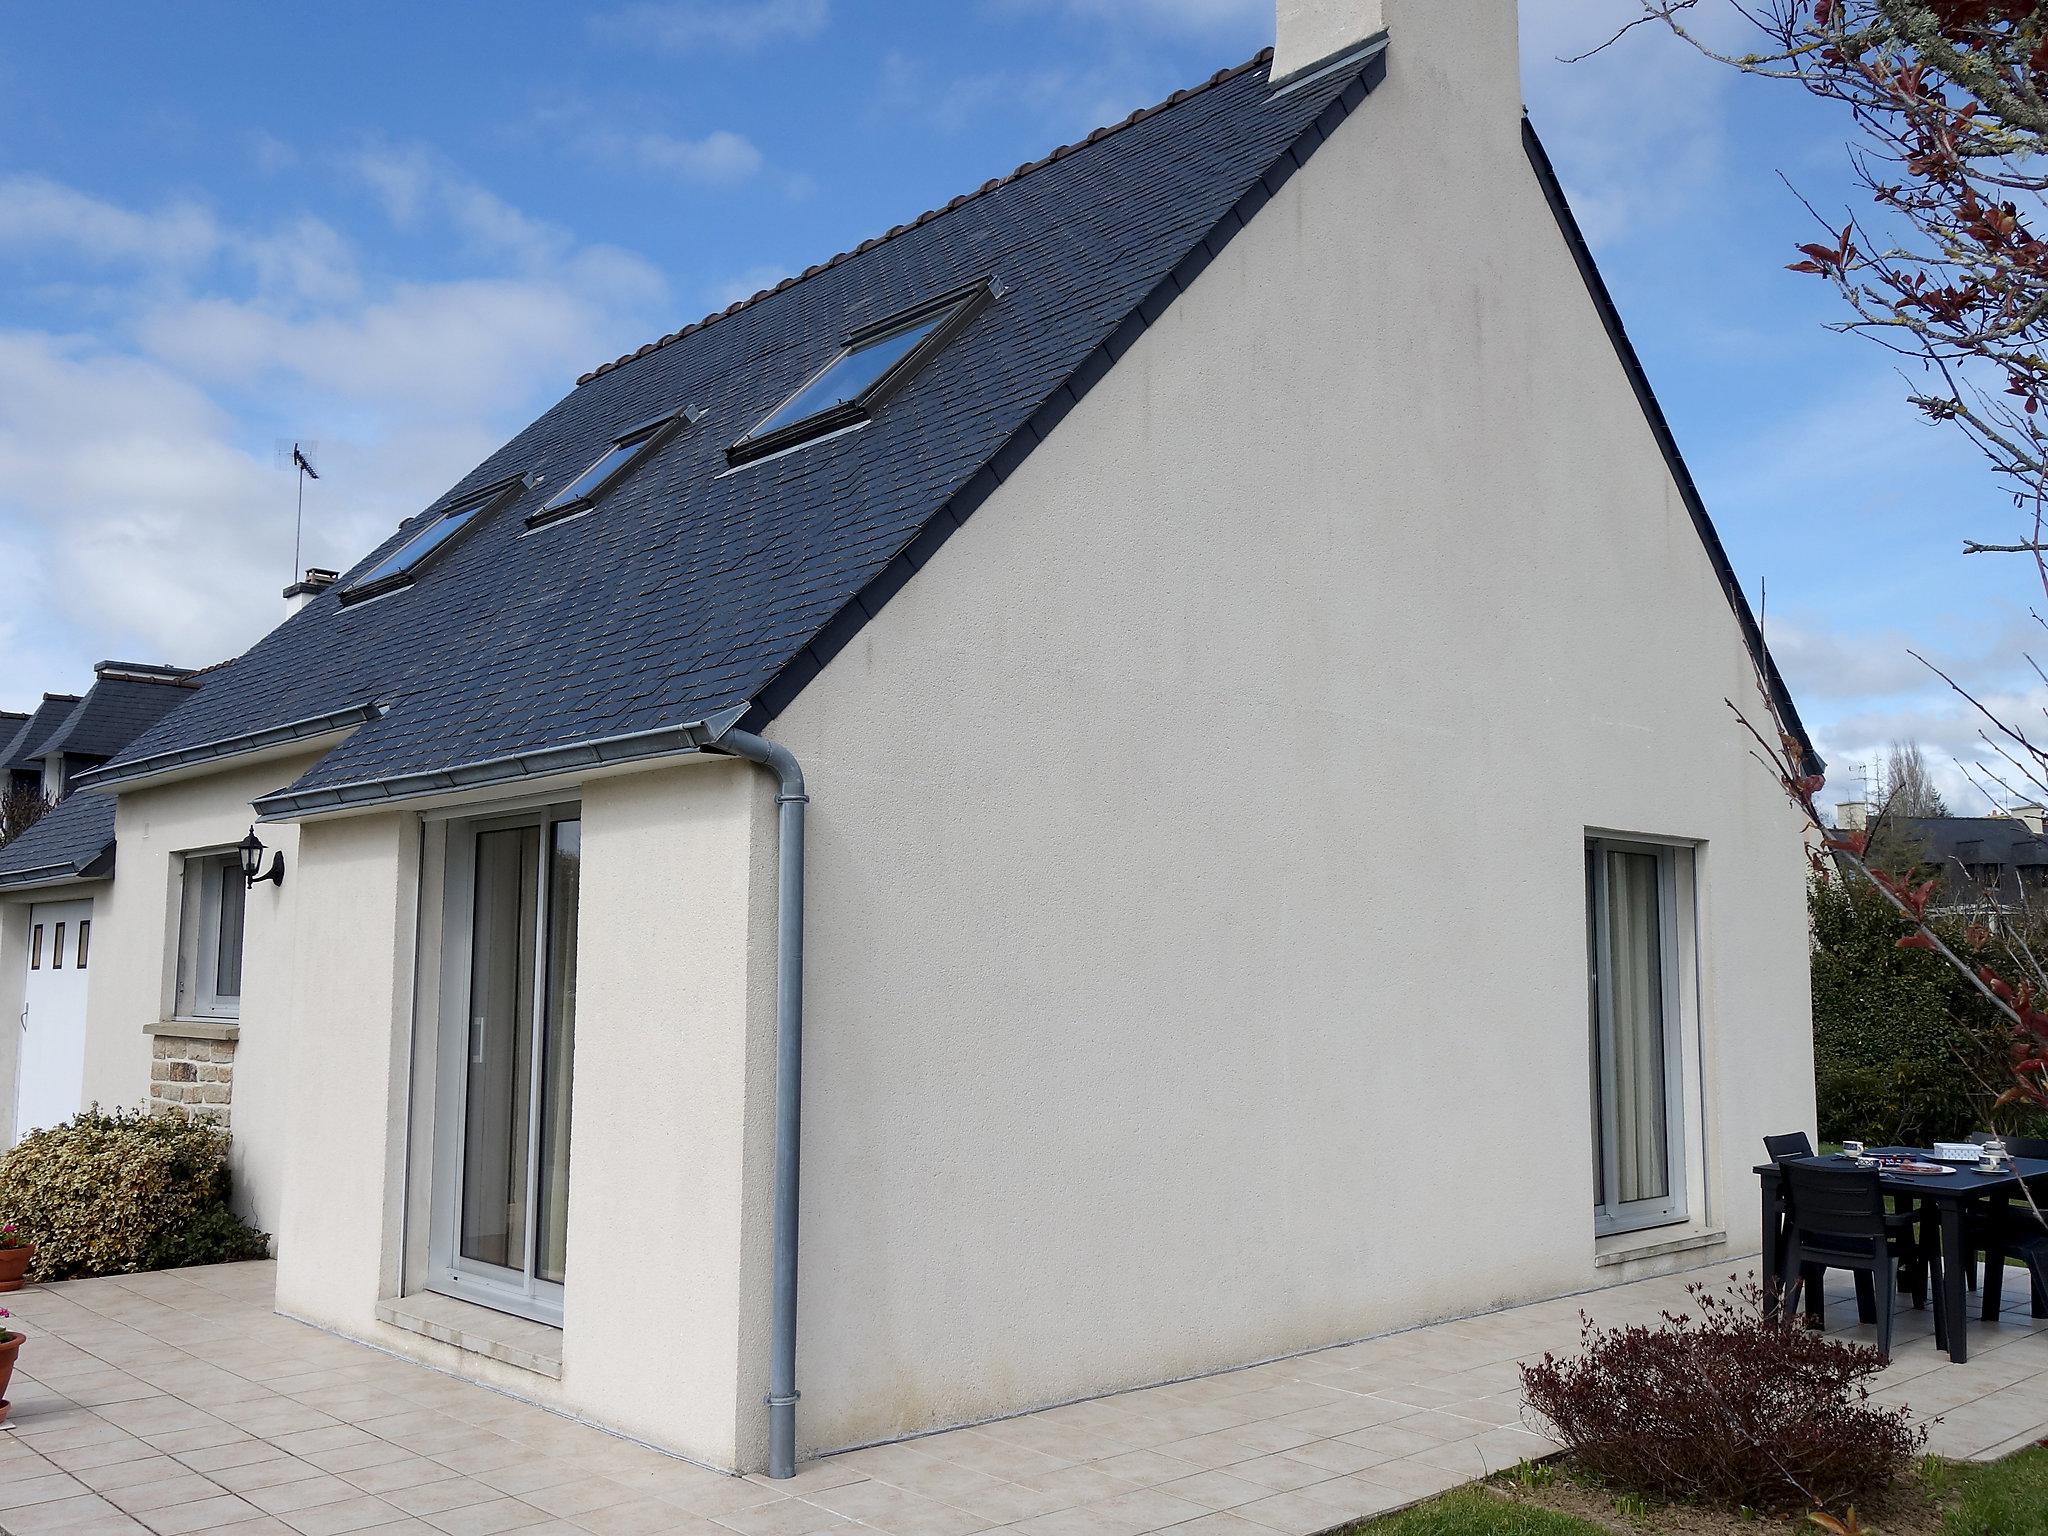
(52, 1076)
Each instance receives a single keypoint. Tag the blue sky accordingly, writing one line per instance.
(401, 230)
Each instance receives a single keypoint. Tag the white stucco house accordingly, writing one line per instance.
(1033, 671)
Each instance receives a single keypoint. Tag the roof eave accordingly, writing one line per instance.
(72, 872)
(1773, 684)
(274, 741)
(543, 767)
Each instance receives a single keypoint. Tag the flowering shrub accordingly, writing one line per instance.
(109, 1194)
(1726, 1407)
(11, 1236)
(7, 1335)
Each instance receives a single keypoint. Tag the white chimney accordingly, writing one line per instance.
(316, 580)
(1460, 59)
(1852, 815)
(2033, 817)
(1305, 31)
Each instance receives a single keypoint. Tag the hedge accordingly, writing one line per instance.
(1905, 1051)
(110, 1194)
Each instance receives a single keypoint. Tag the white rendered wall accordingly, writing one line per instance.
(134, 962)
(666, 1289)
(1199, 837)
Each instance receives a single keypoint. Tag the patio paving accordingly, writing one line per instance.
(180, 1402)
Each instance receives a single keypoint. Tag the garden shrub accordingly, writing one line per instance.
(109, 1194)
(1905, 1051)
(1725, 1407)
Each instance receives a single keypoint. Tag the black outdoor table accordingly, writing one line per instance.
(1948, 1194)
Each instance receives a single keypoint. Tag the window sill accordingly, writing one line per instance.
(513, 1341)
(195, 1029)
(1654, 1243)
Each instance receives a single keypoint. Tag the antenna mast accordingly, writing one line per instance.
(299, 460)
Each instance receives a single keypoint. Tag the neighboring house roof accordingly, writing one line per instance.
(1952, 840)
(73, 841)
(31, 741)
(126, 699)
(696, 594)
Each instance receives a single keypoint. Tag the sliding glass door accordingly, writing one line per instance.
(508, 1040)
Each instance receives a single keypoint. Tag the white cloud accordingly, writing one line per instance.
(39, 214)
(1196, 17)
(689, 26)
(136, 461)
(456, 348)
(719, 157)
(1638, 131)
(1070, 100)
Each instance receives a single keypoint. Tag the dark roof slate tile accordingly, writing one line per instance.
(691, 587)
(73, 839)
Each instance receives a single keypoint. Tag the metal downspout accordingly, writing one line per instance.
(790, 801)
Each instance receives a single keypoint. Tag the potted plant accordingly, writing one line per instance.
(15, 1252)
(10, 1346)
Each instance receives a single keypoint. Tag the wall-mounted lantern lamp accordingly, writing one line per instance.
(252, 862)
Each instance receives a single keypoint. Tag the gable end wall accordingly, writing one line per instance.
(1199, 835)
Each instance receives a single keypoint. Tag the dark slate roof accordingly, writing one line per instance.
(690, 590)
(32, 740)
(124, 701)
(694, 596)
(74, 839)
(2001, 840)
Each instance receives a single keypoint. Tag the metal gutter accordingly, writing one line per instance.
(513, 768)
(112, 774)
(99, 867)
(790, 801)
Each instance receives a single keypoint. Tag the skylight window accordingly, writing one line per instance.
(398, 568)
(871, 364)
(625, 451)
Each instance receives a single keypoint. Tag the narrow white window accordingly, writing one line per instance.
(210, 937)
(1638, 922)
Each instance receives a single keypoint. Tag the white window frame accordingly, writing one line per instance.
(448, 1271)
(1678, 935)
(205, 873)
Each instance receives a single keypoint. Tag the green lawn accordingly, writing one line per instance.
(1469, 1512)
(2007, 1498)
(2003, 1499)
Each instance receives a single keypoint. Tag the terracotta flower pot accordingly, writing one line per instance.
(13, 1263)
(7, 1353)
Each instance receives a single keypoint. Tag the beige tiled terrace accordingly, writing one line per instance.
(179, 1402)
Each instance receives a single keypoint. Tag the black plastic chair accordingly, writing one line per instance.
(1838, 1220)
(1796, 1144)
(1781, 1149)
(2016, 1231)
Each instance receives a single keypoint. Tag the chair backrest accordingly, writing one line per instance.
(1835, 1202)
(1978, 1138)
(1791, 1144)
(2027, 1146)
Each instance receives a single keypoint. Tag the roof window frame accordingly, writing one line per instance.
(477, 505)
(964, 302)
(648, 436)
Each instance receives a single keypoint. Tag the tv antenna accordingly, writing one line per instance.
(298, 458)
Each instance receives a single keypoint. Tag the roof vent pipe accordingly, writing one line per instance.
(790, 801)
